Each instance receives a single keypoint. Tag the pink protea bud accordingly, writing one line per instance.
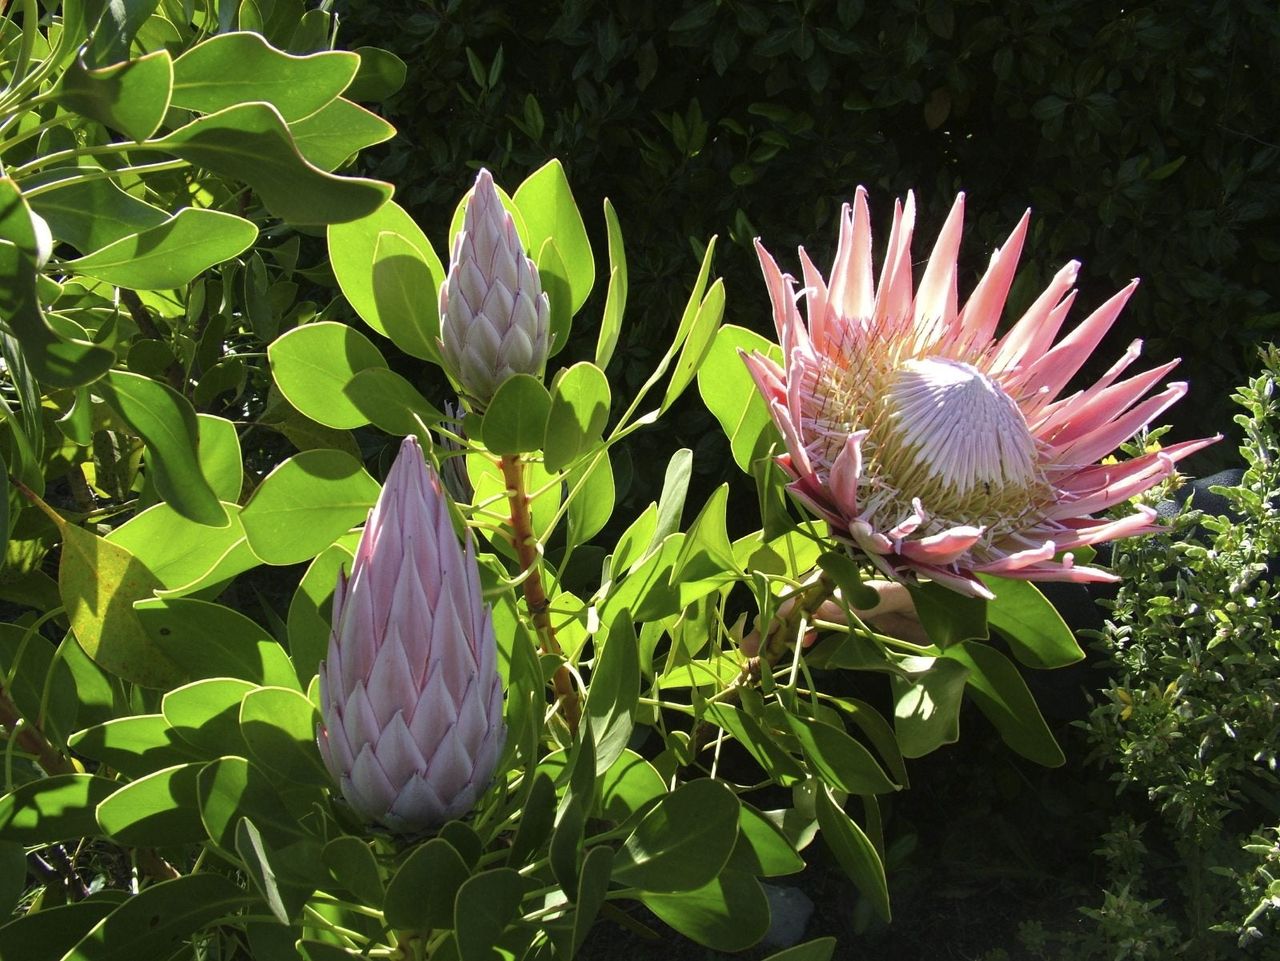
(410, 699)
(493, 313)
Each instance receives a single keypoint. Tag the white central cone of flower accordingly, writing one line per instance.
(954, 438)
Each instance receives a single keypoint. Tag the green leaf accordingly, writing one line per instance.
(487, 902)
(731, 395)
(156, 810)
(135, 746)
(675, 487)
(160, 919)
(537, 817)
(171, 254)
(256, 856)
(838, 759)
(404, 294)
(634, 543)
(854, 851)
(337, 132)
(746, 730)
(819, 949)
(231, 788)
(630, 783)
(353, 249)
(305, 504)
(706, 547)
(54, 929)
(1035, 631)
(309, 611)
(762, 849)
(251, 143)
(352, 863)
(947, 617)
(615, 302)
(696, 346)
(549, 211)
(57, 361)
(614, 691)
(57, 808)
(926, 710)
(593, 886)
(167, 424)
(279, 725)
(313, 364)
(516, 419)
(234, 68)
(220, 459)
(730, 913)
(391, 403)
(580, 400)
(130, 97)
(381, 74)
(594, 500)
(92, 214)
(421, 895)
(552, 274)
(178, 551)
(98, 582)
(848, 577)
(206, 715)
(211, 640)
(683, 842)
(1001, 694)
(110, 40)
(13, 876)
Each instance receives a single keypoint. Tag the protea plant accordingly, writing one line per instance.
(493, 313)
(410, 698)
(936, 448)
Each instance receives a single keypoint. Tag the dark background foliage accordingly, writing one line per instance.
(1144, 137)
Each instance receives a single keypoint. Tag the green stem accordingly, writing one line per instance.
(106, 174)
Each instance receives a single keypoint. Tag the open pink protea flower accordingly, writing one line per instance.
(410, 699)
(935, 448)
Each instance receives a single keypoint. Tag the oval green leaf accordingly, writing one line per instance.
(313, 364)
(516, 419)
(167, 424)
(305, 504)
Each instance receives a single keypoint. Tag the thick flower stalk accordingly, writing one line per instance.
(410, 699)
(936, 448)
(493, 313)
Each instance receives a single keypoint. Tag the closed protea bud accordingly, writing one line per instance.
(410, 698)
(493, 313)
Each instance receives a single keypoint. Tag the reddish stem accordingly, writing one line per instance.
(526, 546)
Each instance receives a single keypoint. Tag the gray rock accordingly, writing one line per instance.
(789, 913)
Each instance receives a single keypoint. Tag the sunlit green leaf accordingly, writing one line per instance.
(212, 640)
(336, 132)
(233, 68)
(305, 504)
(251, 143)
(549, 210)
(312, 366)
(1002, 695)
(730, 394)
(516, 419)
(131, 97)
(730, 913)
(683, 842)
(352, 252)
(170, 254)
(155, 810)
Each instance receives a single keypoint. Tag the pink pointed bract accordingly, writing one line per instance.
(931, 445)
(494, 315)
(411, 703)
